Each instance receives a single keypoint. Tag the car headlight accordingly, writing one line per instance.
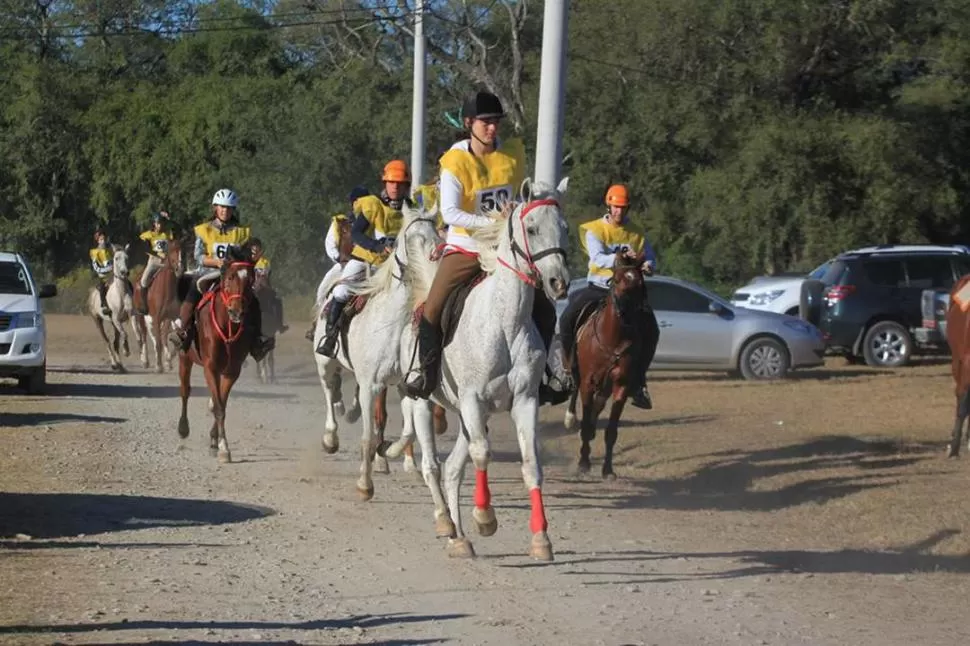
(28, 319)
(763, 298)
(801, 326)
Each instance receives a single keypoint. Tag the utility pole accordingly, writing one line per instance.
(418, 105)
(552, 91)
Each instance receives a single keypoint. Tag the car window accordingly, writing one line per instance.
(961, 266)
(13, 278)
(819, 272)
(925, 272)
(833, 273)
(885, 272)
(668, 297)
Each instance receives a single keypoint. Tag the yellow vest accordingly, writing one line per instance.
(157, 242)
(382, 222)
(217, 242)
(104, 257)
(426, 195)
(487, 181)
(615, 238)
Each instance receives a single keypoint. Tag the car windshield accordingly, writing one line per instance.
(13, 278)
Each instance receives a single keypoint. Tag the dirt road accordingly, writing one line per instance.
(718, 531)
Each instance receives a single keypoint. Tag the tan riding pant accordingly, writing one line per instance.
(151, 268)
(453, 270)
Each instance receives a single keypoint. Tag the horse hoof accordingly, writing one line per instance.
(183, 428)
(410, 466)
(570, 421)
(225, 457)
(339, 409)
(365, 493)
(381, 466)
(211, 405)
(485, 521)
(444, 527)
(541, 549)
(953, 451)
(460, 548)
(145, 364)
(213, 452)
(382, 449)
(353, 415)
(330, 443)
(582, 468)
(609, 477)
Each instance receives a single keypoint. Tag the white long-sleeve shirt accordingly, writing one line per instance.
(450, 193)
(333, 251)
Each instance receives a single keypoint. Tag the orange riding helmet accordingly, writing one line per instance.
(617, 195)
(396, 171)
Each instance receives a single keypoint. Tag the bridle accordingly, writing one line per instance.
(532, 275)
(400, 263)
(229, 336)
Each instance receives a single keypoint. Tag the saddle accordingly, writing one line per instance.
(453, 308)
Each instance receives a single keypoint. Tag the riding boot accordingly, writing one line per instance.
(328, 347)
(429, 360)
(103, 290)
(181, 335)
(279, 311)
(637, 386)
(261, 345)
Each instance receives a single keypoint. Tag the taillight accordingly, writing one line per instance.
(929, 324)
(836, 293)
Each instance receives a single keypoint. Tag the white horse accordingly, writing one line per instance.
(496, 358)
(119, 302)
(371, 354)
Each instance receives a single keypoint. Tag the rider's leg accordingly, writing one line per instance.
(103, 291)
(353, 272)
(639, 395)
(151, 268)
(261, 344)
(182, 327)
(281, 323)
(569, 319)
(544, 316)
(454, 269)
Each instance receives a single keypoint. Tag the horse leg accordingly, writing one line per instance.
(440, 420)
(365, 484)
(525, 416)
(609, 437)
(115, 359)
(121, 332)
(354, 413)
(458, 546)
(570, 420)
(215, 407)
(338, 406)
(329, 373)
(473, 417)
(419, 412)
(271, 364)
(185, 387)
(141, 335)
(225, 387)
(156, 334)
(963, 410)
(165, 329)
(592, 407)
(380, 423)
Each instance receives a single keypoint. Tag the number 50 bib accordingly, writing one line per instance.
(492, 199)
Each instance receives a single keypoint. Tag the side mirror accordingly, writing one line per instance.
(47, 291)
(715, 308)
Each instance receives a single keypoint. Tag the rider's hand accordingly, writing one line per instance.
(388, 250)
(647, 267)
(506, 210)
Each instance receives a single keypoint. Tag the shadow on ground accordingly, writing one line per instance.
(56, 515)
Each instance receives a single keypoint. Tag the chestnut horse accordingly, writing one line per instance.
(606, 344)
(958, 338)
(222, 342)
(162, 302)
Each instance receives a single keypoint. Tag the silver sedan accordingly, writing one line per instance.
(699, 330)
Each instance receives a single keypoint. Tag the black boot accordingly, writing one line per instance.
(103, 290)
(181, 336)
(328, 347)
(429, 359)
(639, 396)
(261, 345)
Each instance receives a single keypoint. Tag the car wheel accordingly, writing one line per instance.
(810, 302)
(764, 358)
(887, 344)
(35, 382)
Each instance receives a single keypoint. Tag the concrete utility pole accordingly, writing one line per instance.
(552, 91)
(418, 106)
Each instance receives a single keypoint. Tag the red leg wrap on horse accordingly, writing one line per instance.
(537, 522)
(483, 497)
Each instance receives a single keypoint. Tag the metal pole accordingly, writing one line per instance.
(418, 106)
(552, 91)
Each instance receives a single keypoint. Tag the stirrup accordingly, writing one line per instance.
(328, 344)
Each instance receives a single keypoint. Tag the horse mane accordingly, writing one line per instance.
(383, 279)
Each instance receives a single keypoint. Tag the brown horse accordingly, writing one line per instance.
(222, 342)
(605, 355)
(440, 425)
(272, 321)
(958, 338)
(162, 303)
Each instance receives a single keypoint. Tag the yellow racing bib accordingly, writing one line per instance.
(616, 239)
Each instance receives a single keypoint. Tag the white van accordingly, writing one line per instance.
(23, 337)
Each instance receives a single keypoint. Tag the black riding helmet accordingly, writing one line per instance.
(482, 105)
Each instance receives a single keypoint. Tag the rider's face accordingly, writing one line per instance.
(223, 212)
(100, 239)
(617, 213)
(395, 190)
(257, 253)
(486, 130)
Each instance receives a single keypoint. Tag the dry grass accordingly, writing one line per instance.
(844, 463)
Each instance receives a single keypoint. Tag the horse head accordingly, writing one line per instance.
(538, 236)
(345, 242)
(627, 283)
(120, 260)
(174, 254)
(236, 285)
(419, 234)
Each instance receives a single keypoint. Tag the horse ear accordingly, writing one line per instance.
(526, 189)
(127, 246)
(563, 185)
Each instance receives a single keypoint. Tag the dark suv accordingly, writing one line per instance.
(868, 302)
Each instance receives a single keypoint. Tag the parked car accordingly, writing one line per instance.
(869, 304)
(782, 293)
(933, 306)
(23, 337)
(699, 330)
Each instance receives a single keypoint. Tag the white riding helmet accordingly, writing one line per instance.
(225, 197)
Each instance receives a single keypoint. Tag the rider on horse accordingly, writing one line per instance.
(602, 239)
(213, 242)
(102, 261)
(377, 222)
(478, 175)
(157, 238)
(263, 269)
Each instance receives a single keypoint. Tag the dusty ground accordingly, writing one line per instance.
(815, 511)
